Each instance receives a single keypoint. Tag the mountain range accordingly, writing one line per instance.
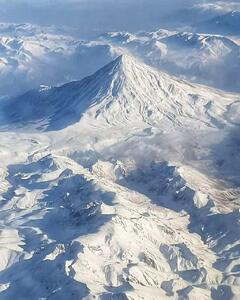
(120, 150)
(124, 185)
(31, 56)
(123, 92)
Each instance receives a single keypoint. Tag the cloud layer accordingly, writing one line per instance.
(92, 16)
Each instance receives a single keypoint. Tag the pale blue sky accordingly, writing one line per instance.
(93, 15)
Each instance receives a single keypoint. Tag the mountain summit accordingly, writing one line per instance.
(124, 91)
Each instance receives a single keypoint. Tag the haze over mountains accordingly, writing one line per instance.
(124, 91)
(31, 56)
(119, 173)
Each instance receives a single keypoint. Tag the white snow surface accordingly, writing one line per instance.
(124, 91)
(124, 185)
(33, 56)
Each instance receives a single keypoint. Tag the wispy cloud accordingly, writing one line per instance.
(92, 16)
(219, 6)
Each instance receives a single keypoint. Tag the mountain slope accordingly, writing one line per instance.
(124, 91)
(203, 58)
(128, 202)
(31, 56)
(114, 232)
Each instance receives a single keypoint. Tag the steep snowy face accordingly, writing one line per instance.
(125, 91)
(139, 93)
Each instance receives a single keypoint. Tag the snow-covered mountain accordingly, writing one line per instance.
(31, 56)
(202, 58)
(120, 155)
(113, 233)
(123, 92)
(125, 189)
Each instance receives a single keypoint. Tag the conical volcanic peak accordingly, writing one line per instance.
(122, 92)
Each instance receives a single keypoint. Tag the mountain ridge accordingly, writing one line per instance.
(123, 91)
